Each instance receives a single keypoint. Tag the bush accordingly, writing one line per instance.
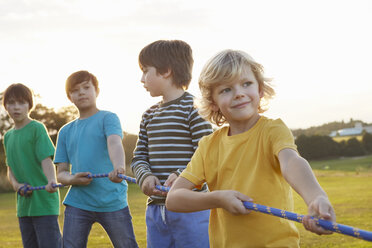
(353, 147)
(367, 142)
(317, 146)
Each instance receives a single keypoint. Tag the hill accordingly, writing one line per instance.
(327, 128)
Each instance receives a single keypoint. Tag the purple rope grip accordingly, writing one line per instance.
(43, 187)
(328, 225)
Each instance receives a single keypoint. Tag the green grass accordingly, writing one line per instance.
(357, 164)
(351, 197)
(349, 190)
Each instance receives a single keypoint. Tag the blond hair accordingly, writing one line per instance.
(227, 66)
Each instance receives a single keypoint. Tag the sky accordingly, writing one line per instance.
(318, 53)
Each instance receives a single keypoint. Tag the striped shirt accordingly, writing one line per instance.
(168, 137)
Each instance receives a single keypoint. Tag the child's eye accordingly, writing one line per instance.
(225, 90)
(246, 84)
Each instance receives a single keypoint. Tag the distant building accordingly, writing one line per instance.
(357, 130)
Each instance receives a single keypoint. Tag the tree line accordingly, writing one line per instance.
(322, 146)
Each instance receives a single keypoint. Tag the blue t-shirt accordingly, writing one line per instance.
(83, 144)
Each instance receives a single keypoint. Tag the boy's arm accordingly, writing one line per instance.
(181, 198)
(16, 185)
(50, 173)
(13, 181)
(297, 171)
(117, 157)
(140, 163)
(198, 127)
(65, 177)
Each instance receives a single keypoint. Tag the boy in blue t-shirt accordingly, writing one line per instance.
(92, 144)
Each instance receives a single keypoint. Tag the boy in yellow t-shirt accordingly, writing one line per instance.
(253, 158)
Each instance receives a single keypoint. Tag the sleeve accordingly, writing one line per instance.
(281, 137)
(111, 125)
(61, 155)
(140, 163)
(198, 127)
(195, 170)
(43, 146)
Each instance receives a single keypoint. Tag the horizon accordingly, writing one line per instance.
(317, 52)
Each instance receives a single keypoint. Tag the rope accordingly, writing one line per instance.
(126, 178)
(328, 225)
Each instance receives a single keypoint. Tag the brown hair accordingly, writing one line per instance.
(19, 92)
(174, 55)
(79, 77)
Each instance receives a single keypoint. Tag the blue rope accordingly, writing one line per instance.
(328, 225)
(126, 178)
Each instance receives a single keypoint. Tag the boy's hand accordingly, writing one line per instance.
(232, 201)
(170, 180)
(148, 186)
(113, 175)
(23, 190)
(81, 178)
(49, 187)
(319, 208)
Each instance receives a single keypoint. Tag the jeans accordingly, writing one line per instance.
(40, 231)
(166, 229)
(117, 224)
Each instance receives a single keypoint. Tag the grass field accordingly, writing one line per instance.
(349, 189)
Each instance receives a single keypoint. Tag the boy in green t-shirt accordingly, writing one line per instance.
(28, 151)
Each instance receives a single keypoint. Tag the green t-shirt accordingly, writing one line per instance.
(25, 148)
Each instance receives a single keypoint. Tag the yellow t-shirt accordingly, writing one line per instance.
(247, 162)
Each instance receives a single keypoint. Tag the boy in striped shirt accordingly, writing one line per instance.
(169, 134)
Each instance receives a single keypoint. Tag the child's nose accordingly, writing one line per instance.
(238, 93)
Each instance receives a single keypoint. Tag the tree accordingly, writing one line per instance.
(129, 144)
(54, 120)
(353, 148)
(5, 123)
(317, 146)
(367, 142)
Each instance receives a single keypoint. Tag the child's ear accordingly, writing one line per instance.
(262, 93)
(167, 74)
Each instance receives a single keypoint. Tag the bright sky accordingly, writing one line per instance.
(318, 52)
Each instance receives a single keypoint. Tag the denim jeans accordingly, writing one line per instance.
(166, 229)
(40, 231)
(117, 224)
